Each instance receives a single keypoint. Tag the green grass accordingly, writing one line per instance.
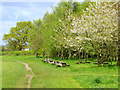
(13, 74)
(50, 76)
(0, 72)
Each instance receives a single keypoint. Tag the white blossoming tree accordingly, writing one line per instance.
(66, 32)
(95, 32)
(99, 27)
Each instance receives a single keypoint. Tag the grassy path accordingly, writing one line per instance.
(47, 76)
(30, 75)
(50, 76)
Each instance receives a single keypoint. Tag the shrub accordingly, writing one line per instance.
(9, 53)
(17, 53)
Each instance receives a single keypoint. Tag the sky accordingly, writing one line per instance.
(13, 12)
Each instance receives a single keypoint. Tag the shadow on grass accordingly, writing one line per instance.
(109, 66)
(114, 65)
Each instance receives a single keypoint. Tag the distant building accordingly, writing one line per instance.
(26, 49)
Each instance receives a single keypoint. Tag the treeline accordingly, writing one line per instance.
(73, 29)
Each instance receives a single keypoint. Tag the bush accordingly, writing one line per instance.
(29, 52)
(17, 53)
(9, 53)
(22, 53)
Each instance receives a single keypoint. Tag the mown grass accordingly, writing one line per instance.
(0, 72)
(13, 75)
(50, 76)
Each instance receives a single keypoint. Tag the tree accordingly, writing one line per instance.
(48, 23)
(2, 48)
(35, 36)
(17, 38)
(78, 7)
(66, 33)
(99, 28)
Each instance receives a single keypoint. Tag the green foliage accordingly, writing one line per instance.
(17, 38)
(39, 33)
(72, 29)
(35, 36)
(8, 53)
(77, 7)
(2, 48)
(17, 53)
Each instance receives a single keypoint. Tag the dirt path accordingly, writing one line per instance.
(28, 75)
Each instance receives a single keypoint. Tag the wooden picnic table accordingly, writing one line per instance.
(62, 64)
(82, 61)
(58, 63)
(100, 63)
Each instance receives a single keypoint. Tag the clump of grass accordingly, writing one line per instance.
(89, 81)
(97, 80)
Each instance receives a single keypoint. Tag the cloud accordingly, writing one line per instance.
(22, 13)
(5, 29)
(14, 12)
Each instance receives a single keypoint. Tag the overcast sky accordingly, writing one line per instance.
(13, 12)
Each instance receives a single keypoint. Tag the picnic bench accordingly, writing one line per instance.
(57, 63)
(83, 62)
(62, 64)
(45, 60)
(50, 61)
(100, 63)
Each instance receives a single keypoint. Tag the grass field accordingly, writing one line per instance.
(50, 76)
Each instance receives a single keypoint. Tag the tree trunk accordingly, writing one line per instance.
(85, 56)
(76, 57)
(111, 60)
(62, 54)
(69, 54)
(58, 55)
(118, 63)
(79, 55)
(55, 57)
(97, 58)
(36, 54)
(43, 56)
(115, 58)
(82, 55)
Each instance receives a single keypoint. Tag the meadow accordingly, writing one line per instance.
(47, 75)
